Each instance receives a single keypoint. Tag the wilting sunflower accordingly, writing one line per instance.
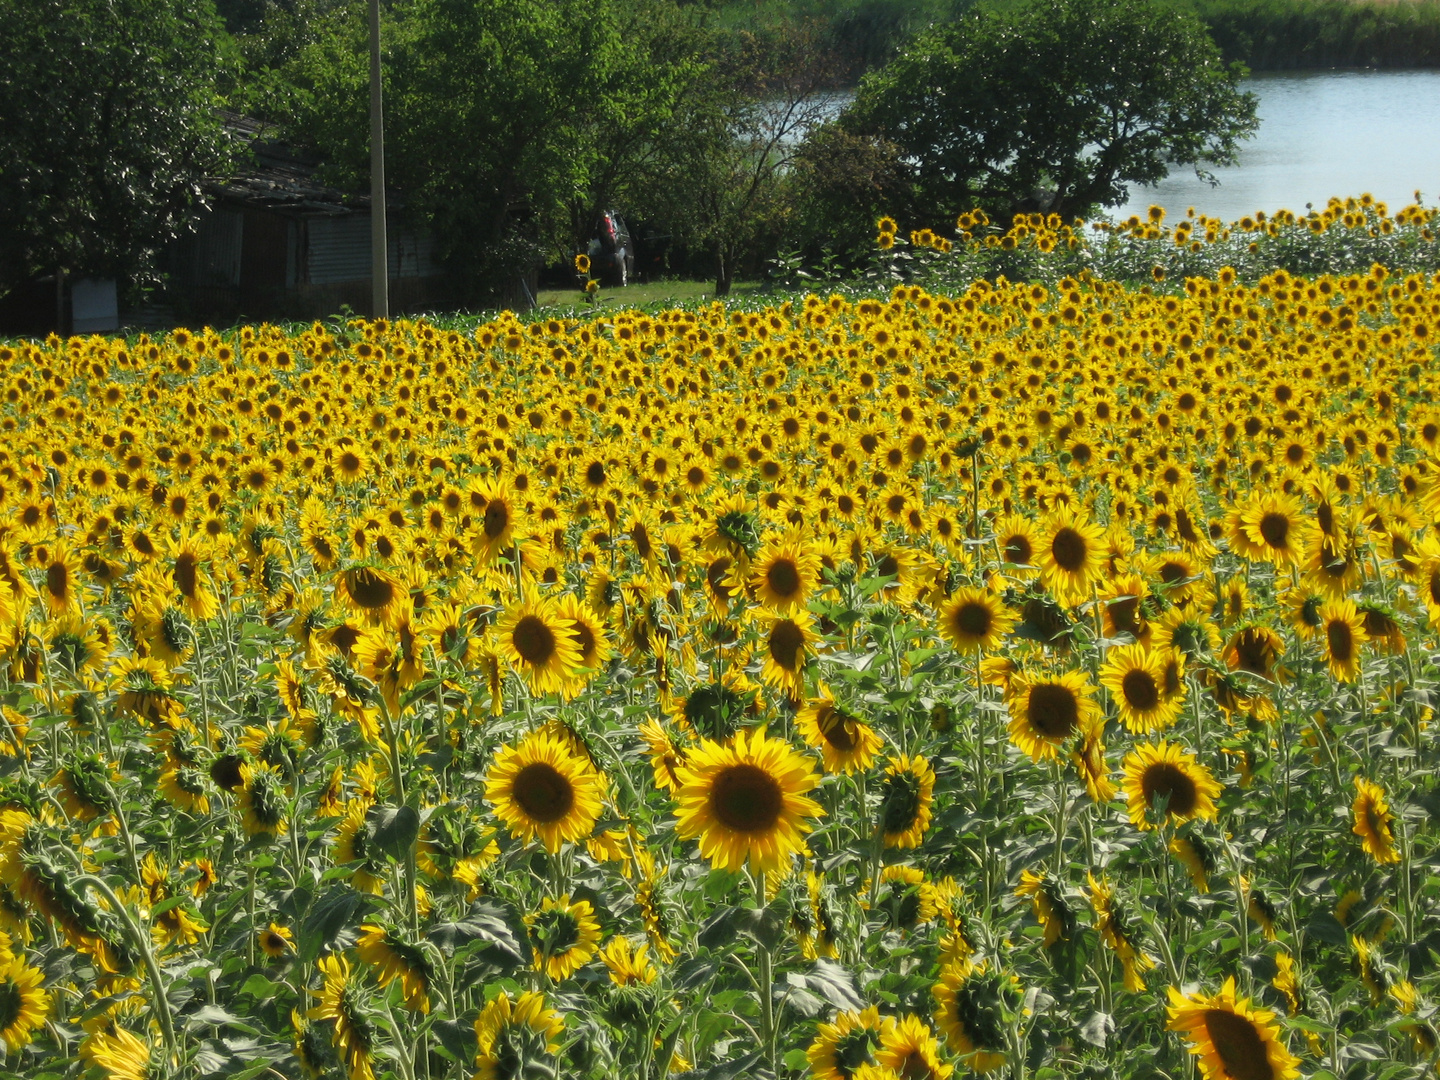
(1071, 553)
(745, 801)
(1342, 629)
(352, 1032)
(508, 1033)
(1232, 1040)
(540, 788)
(1374, 822)
(846, 743)
(1135, 677)
(540, 646)
(1115, 930)
(1048, 903)
(974, 619)
(393, 958)
(1195, 855)
(911, 1051)
(845, 1044)
(785, 573)
(968, 1004)
(1164, 770)
(1046, 710)
(906, 792)
(1271, 528)
(564, 936)
(24, 1003)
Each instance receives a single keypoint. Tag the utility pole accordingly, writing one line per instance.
(379, 256)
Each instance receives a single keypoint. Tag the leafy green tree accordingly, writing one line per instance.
(1055, 105)
(110, 123)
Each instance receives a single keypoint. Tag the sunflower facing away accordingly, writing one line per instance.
(746, 801)
(1232, 1040)
(511, 1033)
(565, 936)
(353, 1033)
(967, 1000)
(1164, 770)
(393, 958)
(1373, 822)
(539, 788)
(844, 1045)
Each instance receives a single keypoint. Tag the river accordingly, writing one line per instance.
(1321, 133)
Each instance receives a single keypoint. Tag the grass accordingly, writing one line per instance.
(641, 295)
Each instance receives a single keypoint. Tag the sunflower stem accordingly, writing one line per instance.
(160, 1003)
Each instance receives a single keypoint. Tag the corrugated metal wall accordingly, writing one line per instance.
(338, 249)
(210, 257)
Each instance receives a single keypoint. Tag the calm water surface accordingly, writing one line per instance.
(1321, 134)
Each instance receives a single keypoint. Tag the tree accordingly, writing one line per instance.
(1054, 105)
(111, 122)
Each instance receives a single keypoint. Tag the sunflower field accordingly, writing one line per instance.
(1033, 680)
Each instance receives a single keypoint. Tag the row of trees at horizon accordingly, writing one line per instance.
(511, 122)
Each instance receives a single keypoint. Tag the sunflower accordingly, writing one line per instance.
(496, 530)
(846, 1043)
(276, 940)
(1373, 822)
(909, 1048)
(1232, 1040)
(1197, 858)
(1156, 771)
(787, 641)
(1046, 710)
(666, 756)
(24, 1003)
(564, 936)
(784, 574)
(906, 793)
(1271, 528)
(541, 646)
(540, 788)
(1136, 679)
(122, 1054)
(745, 801)
(1257, 650)
(60, 584)
(353, 1032)
(509, 1032)
(628, 964)
(845, 742)
(392, 958)
(1015, 536)
(1071, 556)
(1343, 630)
(188, 578)
(352, 845)
(1047, 901)
(968, 1002)
(1114, 928)
(262, 800)
(904, 896)
(974, 619)
(369, 591)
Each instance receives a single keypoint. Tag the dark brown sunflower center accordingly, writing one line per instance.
(370, 590)
(1275, 530)
(1254, 654)
(1069, 550)
(783, 577)
(543, 792)
(57, 581)
(595, 474)
(973, 619)
(584, 640)
(1238, 1045)
(838, 729)
(1340, 640)
(888, 566)
(533, 640)
(186, 575)
(12, 1002)
(1140, 690)
(1165, 778)
(1018, 550)
(1053, 710)
(746, 798)
(715, 574)
(497, 518)
(915, 1067)
(1123, 615)
(787, 642)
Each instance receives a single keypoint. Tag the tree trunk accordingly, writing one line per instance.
(724, 273)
